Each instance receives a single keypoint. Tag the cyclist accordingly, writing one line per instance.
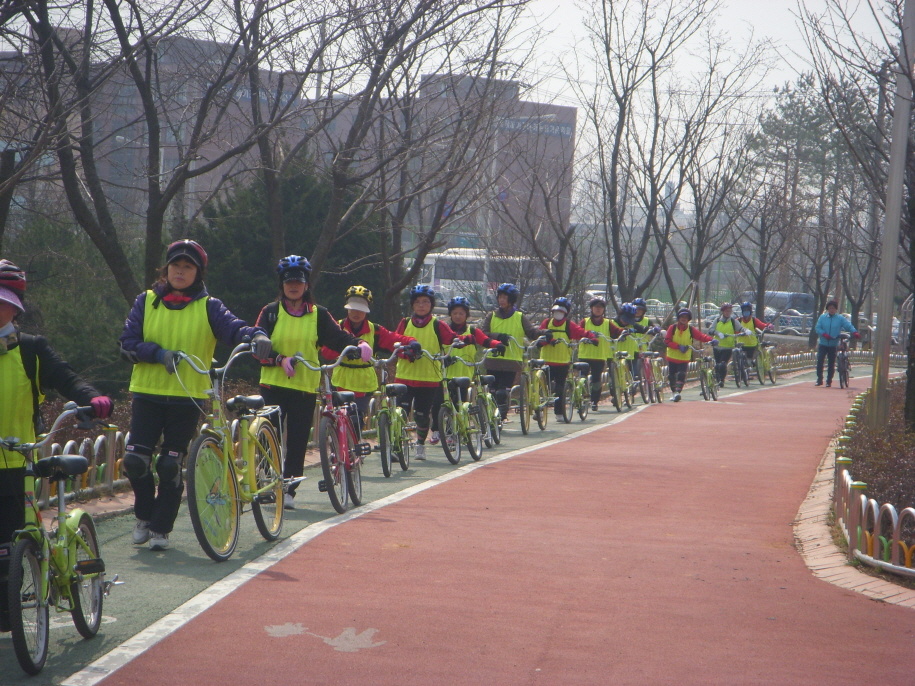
(751, 324)
(296, 324)
(472, 336)
(829, 325)
(504, 322)
(627, 320)
(679, 339)
(558, 357)
(422, 377)
(597, 355)
(355, 375)
(28, 365)
(725, 323)
(176, 313)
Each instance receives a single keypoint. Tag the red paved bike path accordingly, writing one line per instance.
(658, 550)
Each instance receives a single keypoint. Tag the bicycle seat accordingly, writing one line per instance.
(344, 398)
(240, 403)
(581, 367)
(769, 345)
(622, 355)
(395, 390)
(487, 379)
(462, 382)
(537, 363)
(59, 466)
(651, 353)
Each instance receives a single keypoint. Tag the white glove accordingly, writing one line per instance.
(721, 335)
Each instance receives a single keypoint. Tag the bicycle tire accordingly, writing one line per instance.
(267, 508)
(332, 466)
(447, 430)
(659, 391)
(401, 446)
(770, 370)
(543, 392)
(30, 622)
(703, 384)
(354, 472)
(495, 420)
(474, 437)
(485, 421)
(212, 500)
(713, 390)
(761, 367)
(614, 393)
(384, 444)
(87, 595)
(648, 380)
(524, 408)
(584, 399)
(565, 403)
(843, 372)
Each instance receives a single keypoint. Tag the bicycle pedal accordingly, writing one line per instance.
(362, 449)
(94, 566)
(265, 498)
(322, 486)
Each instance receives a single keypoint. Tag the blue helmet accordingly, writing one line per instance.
(562, 303)
(294, 268)
(459, 301)
(511, 290)
(746, 307)
(422, 289)
(684, 312)
(640, 302)
(627, 313)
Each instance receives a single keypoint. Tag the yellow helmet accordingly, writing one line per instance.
(359, 292)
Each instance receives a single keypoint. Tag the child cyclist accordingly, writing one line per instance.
(751, 324)
(558, 356)
(724, 324)
(679, 339)
(27, 365)
(355, 375)
(421, 376)
(507, 322)
(176, 314)
(472, 336)
(296, 324)
(597, 355)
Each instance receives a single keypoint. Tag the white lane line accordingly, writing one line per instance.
(174, 620)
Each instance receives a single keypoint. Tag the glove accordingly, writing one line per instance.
(541, 343)
(771, 327)
(354, 354)
(169, 359)
(448, 361)
(503, 338)
(827, 336)
(590, 340)
(288, 365)
(683, 348)
(101, 406)
(714, 343)
(554, 341)
(720, 335)
(856, 335)
(548, 335)
(366, 351)
(261, 346)
(498, 350)
(654, 331)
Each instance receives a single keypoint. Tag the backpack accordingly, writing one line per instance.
(30, 364)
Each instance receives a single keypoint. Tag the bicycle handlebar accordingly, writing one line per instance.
(326, 367)
(85, 415)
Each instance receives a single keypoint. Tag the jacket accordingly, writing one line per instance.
(832, 325)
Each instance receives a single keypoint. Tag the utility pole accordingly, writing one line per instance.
(879, 406)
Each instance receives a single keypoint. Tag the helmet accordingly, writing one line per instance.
(422, 289)
(725, 306)
(562, 303)
(640, 302)
(685, 311)
(746, 307)
(511, 290)
(294, 268)
(359, 292)
(12, 277)
(189, 249)
(627, 312)
(597, 301)
(459, 301)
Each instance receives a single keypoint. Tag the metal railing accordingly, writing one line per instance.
(102, 478)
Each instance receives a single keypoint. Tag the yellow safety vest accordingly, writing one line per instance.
(16, 406)
(750, 341)
(188, 330)
(628, 344)
(642, 338)
(726, 327)
(684, 337)
(422, 369)
(356, 375)
(469, 353)
(602, 350)
(559, 353)
(293, 335)
(514, 328)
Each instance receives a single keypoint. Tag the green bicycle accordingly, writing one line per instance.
(61, 569)
(458, 418)
(391, 423)
(576, 394)
(490, 417)
(708, 381)
(765, 360)
(533, 389)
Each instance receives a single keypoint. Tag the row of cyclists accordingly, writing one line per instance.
(177, 313)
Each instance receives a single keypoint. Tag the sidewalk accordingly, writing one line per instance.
(659, 550)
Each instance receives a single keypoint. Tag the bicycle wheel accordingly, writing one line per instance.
(29, 621)
(703, 384)
(648, 381)
(770, 367)
(524, 407)
(267, 507)
(474, 437)
(400, 440)
(568, 395)
(384, 444)
(485, 421)
(761, 367)
(614, 377)
(744, 371)
(447, 429)
(583, 405)
(495, 419)
(628, 386)
(543, 392)
(86, 594)
(332, 465)
(212, 499)
(354, 472)
(712, 386)
(843, 371)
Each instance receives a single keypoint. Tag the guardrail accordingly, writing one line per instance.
(873, 531)
(798, 361)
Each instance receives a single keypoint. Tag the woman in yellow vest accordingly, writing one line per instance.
(725, 323)
(355, 375)
(296, 324)
(679, 339)
(27, 365)
(558, 356)
(597, 355)
(176, 314)
(422, 377)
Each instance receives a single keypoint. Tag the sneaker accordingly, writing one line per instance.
(158, 541)
(288, 501)
(829, 384)
(676, 397)
(819, 382)
(420, 453)
(594, 407)
(141, 532)
(434, 438)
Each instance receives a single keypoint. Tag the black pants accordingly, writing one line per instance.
(175, 421)
(426, 401)
(297, 411)
(828, 353)
(676, 374)
(502, 387)
(722, 357)
(597, 369)
(750, 351)
(12, 518)
(557, 375)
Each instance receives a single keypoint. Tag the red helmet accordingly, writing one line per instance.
(189, 249)
(12, 277)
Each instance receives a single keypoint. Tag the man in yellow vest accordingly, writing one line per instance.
(679, 340)
(27, 365)
(725, 326)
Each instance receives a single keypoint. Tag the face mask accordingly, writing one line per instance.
(559, 315)
(9, 338)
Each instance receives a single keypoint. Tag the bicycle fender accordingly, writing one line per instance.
(72, 520)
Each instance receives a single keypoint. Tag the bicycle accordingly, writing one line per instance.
(577, 392)
(490, 417)
(391, 424)
(708, 381)
(235, 463)
(765, 360)
(533, 383)
(62, 568)
(652, 376)
(458, 418)
(843, 364)
(339, 442)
